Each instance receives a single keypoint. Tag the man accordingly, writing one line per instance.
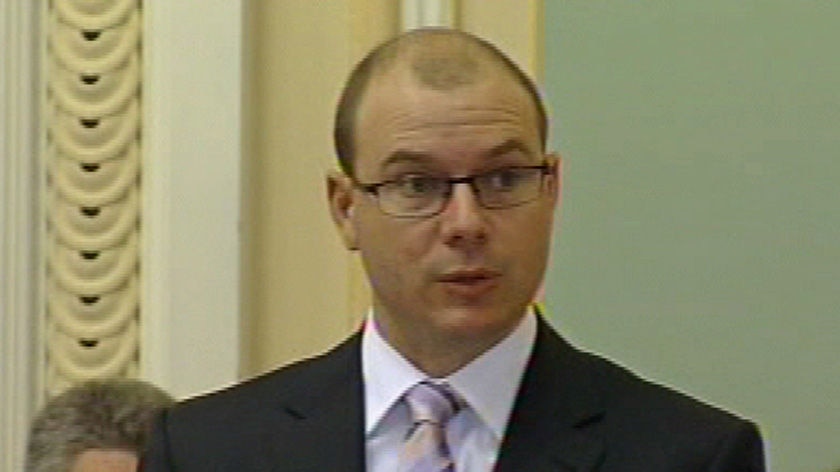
(96, 426)
(448, 194)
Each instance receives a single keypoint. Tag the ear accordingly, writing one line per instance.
(340, 196)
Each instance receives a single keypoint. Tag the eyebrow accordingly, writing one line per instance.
(406, 156)
(510, 145)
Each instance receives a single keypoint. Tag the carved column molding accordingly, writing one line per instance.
(19, 310)
(92, 156)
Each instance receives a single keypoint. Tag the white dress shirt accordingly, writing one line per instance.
(488, 384)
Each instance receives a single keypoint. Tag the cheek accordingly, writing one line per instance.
(415, 246)
(532, 245)
(394, 252)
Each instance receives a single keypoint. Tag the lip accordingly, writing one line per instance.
(467, 275)
(469, 283)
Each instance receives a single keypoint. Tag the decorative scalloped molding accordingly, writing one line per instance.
(20, 313)
(91, 254)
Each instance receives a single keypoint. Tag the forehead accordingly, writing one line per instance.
(105, 460)
(399, 114)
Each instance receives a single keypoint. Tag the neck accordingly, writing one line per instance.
(440, 362)
(434, 354)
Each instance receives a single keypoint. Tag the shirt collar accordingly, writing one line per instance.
(388, 375)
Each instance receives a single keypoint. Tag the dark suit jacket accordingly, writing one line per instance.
(574, 412)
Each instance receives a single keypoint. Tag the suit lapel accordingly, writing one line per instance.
(322, 424)
(321, 418)
(558, 402)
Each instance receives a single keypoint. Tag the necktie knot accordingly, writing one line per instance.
(433, 403)
(425, 449)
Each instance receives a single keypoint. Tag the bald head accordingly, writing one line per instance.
(437, 58)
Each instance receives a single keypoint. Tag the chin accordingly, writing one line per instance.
(476, 323)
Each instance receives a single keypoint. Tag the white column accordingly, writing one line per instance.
(19, 243)
(420, 13)
(193, 139)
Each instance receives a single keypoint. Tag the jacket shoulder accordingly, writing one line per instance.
(670, 429)
(626, 391)
(252, 400)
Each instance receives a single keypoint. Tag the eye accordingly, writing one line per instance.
(418, 185)
(503, 179)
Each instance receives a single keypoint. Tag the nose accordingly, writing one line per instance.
(463, 221)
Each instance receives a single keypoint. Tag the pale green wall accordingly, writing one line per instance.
(700, 231)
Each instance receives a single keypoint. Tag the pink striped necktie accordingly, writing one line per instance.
(425, 449)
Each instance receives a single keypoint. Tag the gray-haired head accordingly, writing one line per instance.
(440, 59)
(100, 414)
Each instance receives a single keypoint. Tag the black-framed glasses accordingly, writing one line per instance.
(419, 195)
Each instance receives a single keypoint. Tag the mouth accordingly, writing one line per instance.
(468, 275)
(469, 283)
